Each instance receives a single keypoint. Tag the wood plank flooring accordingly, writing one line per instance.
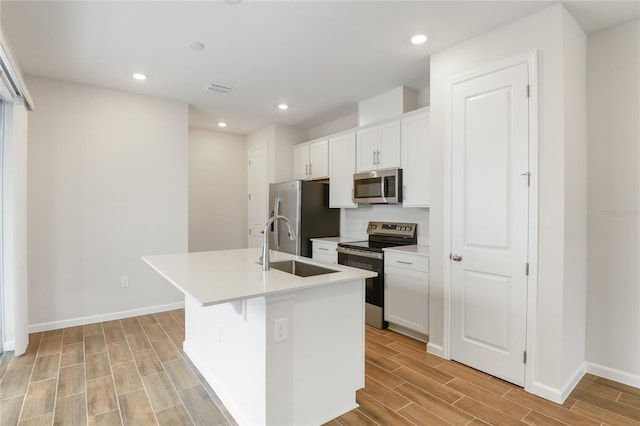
(124, 372)
(133, 372)
(404, 385)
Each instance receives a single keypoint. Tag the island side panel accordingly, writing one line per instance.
(226, 343)
(325, 349)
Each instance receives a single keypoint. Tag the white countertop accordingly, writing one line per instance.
(415, 249)
(213, 277)
(338, 240)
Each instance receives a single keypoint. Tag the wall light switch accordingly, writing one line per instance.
(124, 281)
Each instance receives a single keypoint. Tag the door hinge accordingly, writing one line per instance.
(249, 162)
(528, 91)
(524, 357)
(249, 197)
(526, 269)
(249, 231)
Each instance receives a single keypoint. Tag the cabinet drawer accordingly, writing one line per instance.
(406, 261)
(324, 251)
(324, 247)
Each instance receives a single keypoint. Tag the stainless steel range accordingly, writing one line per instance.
(369, 255)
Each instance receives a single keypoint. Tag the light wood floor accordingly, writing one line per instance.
(132, 372)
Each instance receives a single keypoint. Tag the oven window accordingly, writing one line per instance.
(374, 287)
(367, 188)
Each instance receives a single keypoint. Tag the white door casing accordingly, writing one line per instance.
(258, 191)
(489, 221)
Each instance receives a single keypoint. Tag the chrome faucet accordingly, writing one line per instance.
(264, 259)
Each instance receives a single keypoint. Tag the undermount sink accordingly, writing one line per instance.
(301, 269)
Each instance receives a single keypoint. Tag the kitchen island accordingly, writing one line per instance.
(278, 349)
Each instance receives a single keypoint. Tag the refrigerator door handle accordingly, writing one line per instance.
(276, 229)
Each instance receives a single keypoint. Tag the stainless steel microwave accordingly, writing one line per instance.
(378, 187)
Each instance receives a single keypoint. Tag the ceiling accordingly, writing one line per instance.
(320, 57)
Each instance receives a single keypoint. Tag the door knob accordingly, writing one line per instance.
(456, 258)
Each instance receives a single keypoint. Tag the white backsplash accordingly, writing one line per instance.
(353, 222)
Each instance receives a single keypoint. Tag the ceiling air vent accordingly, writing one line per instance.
(217, 88)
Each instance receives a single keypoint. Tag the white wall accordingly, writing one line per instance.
(546, 33)
(613, 303)
(279, 141)
(217, 190)
(282, 161)
(344, 123)
(575, 193)
(107, 184)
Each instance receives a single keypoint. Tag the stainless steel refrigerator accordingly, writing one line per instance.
(306, 205)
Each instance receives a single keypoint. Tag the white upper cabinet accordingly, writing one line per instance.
(378, 147)
(342, 166)
(301, 162)
(415, 160)
(311, 160)
(319, 159)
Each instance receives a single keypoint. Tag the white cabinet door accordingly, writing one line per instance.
(388, 153)
(342, 166)
(415, 161)
(301, 162)
(378, 147)
(406, 291)
(319, 159)
(406, 298)
(366, 149)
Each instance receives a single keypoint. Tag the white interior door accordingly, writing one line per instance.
(258, 191)
(489, 220)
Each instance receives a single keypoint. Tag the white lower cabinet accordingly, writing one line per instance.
(324, 251)
(406, 292)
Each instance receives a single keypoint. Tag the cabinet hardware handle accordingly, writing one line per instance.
(323, 248)
(374, 157)
(377, 157)
(406, 263)
(310, 168)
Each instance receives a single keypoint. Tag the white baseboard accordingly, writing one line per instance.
(54, 325)
(558, 395)
(9, 345)
(613, 374)
(436, 350)
(408, 332)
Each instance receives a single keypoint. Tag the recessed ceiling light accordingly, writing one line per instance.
(418, 39)
(195, 45)
(283, 106)
(139, 76)
(222, 124)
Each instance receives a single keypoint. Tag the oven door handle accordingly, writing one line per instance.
(361, 253)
